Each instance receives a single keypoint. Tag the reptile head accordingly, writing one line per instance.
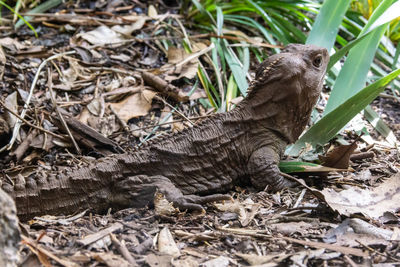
(287, 86)
(312, 60)
(305, 64)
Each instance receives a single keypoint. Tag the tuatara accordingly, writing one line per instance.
(242, 146)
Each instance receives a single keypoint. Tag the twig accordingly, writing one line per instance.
(121, 121)
(169, 122)
(30, 124)
(174, 109)
(375, 251)
(28, 100)
(362, 155)
(111, 69)
(36, 248)
(122, 249)
(53, 100)
(195, 55)
(299, 199)
(350, 261)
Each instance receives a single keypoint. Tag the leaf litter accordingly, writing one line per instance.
(109, 96)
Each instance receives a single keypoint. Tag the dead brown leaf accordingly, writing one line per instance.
(2, 62)
(134, 105)
(158, 260)
(339, 157)
(372, 203)
(166, 243)
(220, 261)
(152, 11)
(12, 44)
(111, 260)
(254, 259)
(162, 206)
(102, 35)
(11, 103)
(177, 67)
(127, 30)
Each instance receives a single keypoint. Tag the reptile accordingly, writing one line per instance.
(200, 163)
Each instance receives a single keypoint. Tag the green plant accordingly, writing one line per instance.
(241, 21)
(279, 22)
(2, 3)
(348, 97)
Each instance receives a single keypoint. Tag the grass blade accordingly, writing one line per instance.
(22, 19)
(379, 125)
(381, 14)
(340, 53)
(236, 68)
(354, 71)
(326, 26)
(231, 92)
(277, 31)
(43, 7)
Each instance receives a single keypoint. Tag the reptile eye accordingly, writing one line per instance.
(317, 62)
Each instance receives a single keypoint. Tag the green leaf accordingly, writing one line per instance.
(43, 7)
(354, 71)
(340, 53)
(220, 20)
(19, 16)
(203, 11)
(236, 67)
(276, 30)
(334, 121)
(326, 26)
(208, 87)
(231, 92)
(304, 167)
(379, 125)
(382, 14)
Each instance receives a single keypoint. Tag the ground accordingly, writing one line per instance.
(101, 85)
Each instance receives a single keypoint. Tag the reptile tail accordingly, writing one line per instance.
(75, 190)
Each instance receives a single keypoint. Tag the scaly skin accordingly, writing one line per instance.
(242, 146)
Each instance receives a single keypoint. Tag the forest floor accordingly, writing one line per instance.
(95, 76)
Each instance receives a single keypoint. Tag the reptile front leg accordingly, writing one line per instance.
(264, 171)
(138, 191)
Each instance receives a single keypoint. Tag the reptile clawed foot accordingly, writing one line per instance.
(194, 202)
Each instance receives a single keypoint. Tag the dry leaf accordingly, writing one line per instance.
(339, 157)
(221, 261)
(235, 207)
(134, 105)
(127, 30)
(187, 262)
(84, 116)
(152, 12)
(96, 106)
(176, 56)
(372, 203)
(3, 61)
(158, 260)
(121, 57)
(162, 206)
(43, 142)
(111, 260)
(166, 243)
(102, 35)
(352, 230)
(12, 44)
(11, 103)
(253, 259)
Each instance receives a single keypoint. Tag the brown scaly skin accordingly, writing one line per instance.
(236, 147)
